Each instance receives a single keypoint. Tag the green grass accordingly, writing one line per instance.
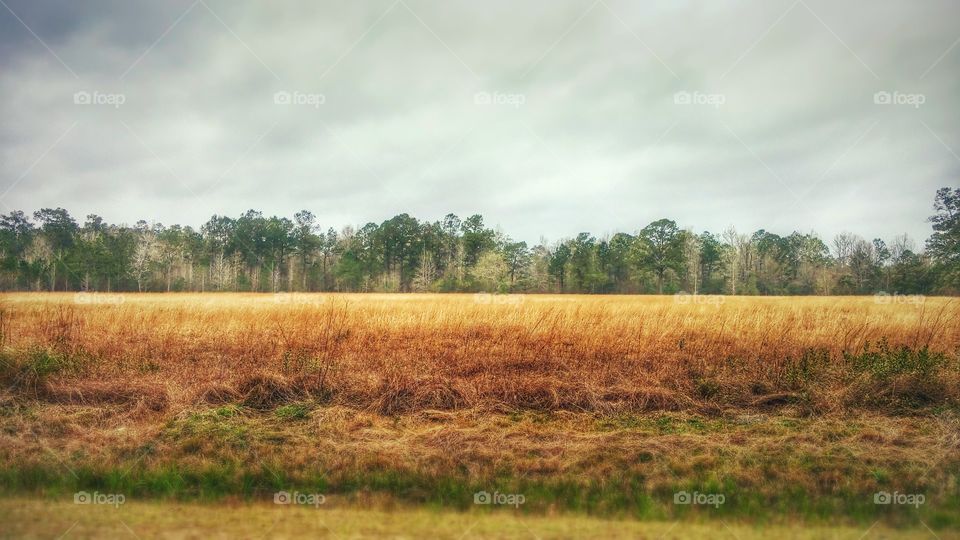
(294, 411)
(626, 496)
(222, 426)
(26, 369)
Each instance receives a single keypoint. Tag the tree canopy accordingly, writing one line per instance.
(253, 252)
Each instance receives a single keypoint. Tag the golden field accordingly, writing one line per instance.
(399, 353)
(793, 407)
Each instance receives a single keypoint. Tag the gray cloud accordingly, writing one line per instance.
(598, 143)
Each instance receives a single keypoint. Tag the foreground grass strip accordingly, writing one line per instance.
(765, 467)
(45, 518)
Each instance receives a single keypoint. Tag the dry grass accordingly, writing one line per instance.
(801, 406)
(403, 353)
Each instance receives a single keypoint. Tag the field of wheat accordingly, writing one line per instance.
(802, 406)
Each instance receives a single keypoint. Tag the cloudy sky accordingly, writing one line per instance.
(549, 118)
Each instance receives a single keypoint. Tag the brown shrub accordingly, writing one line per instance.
(400, 394)
(901, 393)
(644, 399)
(218, 394)
(439, 395)
(393, 399)
(537, 394)
(312, 386)
(777, 399)
(265, 391)
(152, 397)
(542, 394)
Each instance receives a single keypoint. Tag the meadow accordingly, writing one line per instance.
(791, 408)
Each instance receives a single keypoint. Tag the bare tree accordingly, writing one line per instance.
(732, 255)
(900, 245)
(426, 273)
(843, 245)
(143, 256)
(691, 257)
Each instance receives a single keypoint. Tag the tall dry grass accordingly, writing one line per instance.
(401, 353)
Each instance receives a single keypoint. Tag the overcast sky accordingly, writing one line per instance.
(549, 118)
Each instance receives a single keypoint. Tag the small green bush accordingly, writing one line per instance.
(886, 362)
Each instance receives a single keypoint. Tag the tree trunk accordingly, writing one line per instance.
(304, 266)
(323, 281)
(290, 274)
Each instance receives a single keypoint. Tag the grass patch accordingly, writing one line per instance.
(294, 411)
(26, 371)
(197, 431)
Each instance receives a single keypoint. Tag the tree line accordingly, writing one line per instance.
(51, 251)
